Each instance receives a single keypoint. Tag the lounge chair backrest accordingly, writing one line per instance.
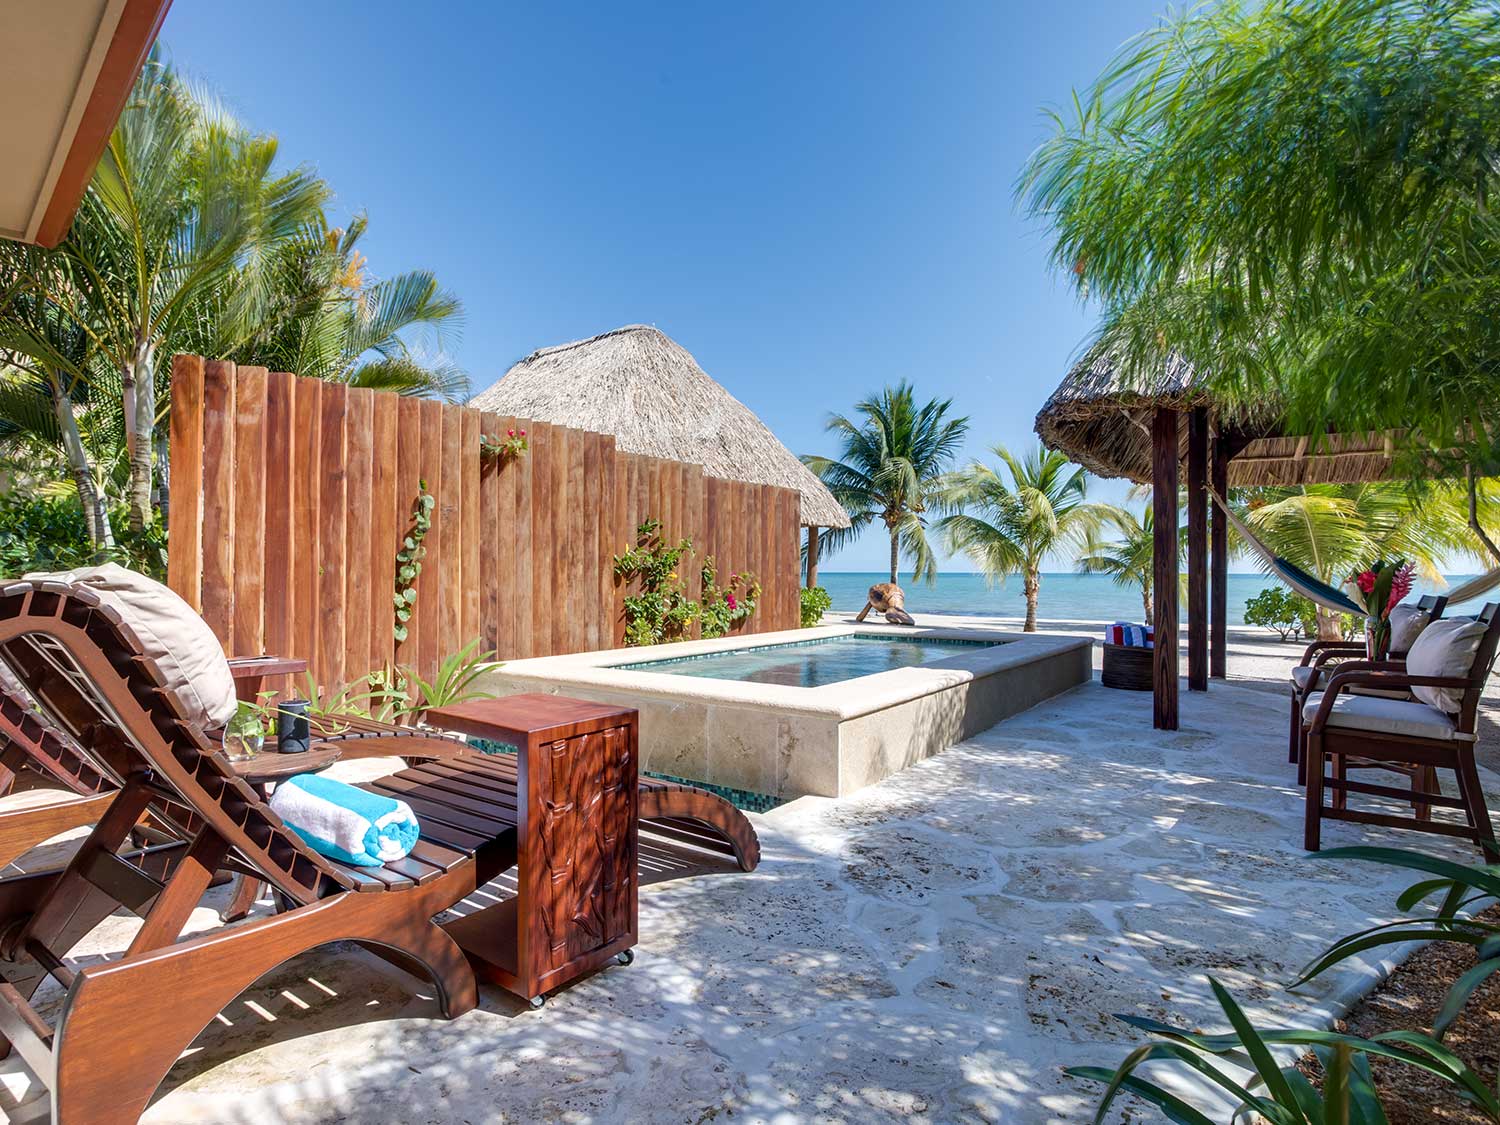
(1434, 604)
(1484, 663)
(85, 669)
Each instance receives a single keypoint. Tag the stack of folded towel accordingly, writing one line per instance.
(345, 823)
(1123, 633)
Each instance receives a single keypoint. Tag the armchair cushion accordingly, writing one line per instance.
(179, 641)
(1305, 676)
(1385, 716)
(1445, 648)
(1407, 623)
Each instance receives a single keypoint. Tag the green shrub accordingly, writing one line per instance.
(816, 601)
(48, 532)
(1282, 611)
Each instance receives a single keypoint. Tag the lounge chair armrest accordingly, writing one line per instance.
(1318, 647)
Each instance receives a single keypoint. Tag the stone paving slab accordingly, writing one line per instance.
(935, 948)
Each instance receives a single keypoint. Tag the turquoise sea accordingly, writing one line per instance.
(1064, 596)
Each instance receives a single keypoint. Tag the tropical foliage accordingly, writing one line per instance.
(1128, 558)
(816, 601)
(1296, 197)
(1011, 518)
(892, 468)
(190, 238)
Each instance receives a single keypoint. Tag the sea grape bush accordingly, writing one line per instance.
(816, 601)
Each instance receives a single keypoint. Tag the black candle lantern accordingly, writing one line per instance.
(292, 733)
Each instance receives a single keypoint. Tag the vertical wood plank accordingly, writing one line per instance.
(567, 479)
(611, 630)
(279, 518)
(332, 556)
(218, 499)
(543, 453)
(515, 539)
(451, 561)
(185, 445)
(494, 576)
(1164, 566)
(430, 581)
(248, 637)
(591, 508)
(307, 463)
(385, 533)
(359, 442)
(469, 522)
(409, 472)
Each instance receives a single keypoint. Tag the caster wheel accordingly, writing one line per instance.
(625, 956)
(536, 1002)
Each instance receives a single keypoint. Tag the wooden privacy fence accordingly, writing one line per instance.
(290, 498)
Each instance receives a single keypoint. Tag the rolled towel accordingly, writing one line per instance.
(345, 823)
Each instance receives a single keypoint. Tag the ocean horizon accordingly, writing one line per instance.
(1065, 596)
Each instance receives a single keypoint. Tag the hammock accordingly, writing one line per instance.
(1313, 589)
(1326, 596)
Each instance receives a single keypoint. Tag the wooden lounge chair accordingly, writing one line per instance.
(116, 1038)
(1319, 659)
(1345, 730)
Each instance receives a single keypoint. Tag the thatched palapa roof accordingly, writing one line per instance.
(647, 390)
(1101, 418)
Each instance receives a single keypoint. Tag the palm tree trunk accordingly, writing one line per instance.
(1328, 626)
(140, 423)
(90, 498)
(1031, 584)
(1146, 603)
(895, 556)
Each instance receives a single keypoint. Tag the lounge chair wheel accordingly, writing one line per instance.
(625, 956)
(536, 1002)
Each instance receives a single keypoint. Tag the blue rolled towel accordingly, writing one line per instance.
(346, 823)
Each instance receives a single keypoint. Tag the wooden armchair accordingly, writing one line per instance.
(1390, 731)
(1319, 658)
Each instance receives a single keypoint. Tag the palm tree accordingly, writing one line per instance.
(1128, 559)
(892, 467)
(1297, 198)
(1331, 530)
(1009, 526)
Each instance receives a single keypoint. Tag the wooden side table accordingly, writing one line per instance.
(250, 672)
(577, 811)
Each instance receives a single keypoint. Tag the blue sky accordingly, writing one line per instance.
(814, 199)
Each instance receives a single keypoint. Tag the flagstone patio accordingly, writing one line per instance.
(935, 948)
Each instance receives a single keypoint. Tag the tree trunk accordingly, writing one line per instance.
(95, 511)
(140, 424)
(895, 554)
(1146, 602)
(1031, 584)
(163, 478)
(1328, 626)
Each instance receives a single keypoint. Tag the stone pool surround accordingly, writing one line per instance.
(828, 741)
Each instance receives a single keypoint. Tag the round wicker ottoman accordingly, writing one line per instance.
(1128, 667)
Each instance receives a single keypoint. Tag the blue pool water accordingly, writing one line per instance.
(811, 663)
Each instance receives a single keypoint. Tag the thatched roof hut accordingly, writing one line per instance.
(1101, 418)
(647, 390)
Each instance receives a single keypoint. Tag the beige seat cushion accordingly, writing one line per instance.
(1407, 624)
(1302, 676)
(1445, 648)
(183, 646)
(1385, 716)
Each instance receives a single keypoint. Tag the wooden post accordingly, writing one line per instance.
(1164, 566)
(1218, 640)
(812, 557)
(1197, 517)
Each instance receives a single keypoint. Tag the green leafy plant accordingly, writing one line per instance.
(721, 608)
(816, 601)
(512, 445)
(48, 531)
(1280, 1094)
(660, 609)
(1281, 611)
(452, 683)
(409, 558)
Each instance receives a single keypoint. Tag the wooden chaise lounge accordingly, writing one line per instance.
(116, 1037)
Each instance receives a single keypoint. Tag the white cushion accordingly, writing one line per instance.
(1385, 716)
(1302, 676)
(190, 657)
(1445, 648)
(1407, 623)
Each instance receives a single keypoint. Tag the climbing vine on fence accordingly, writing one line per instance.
(660, 609)
(512, 445)
(409, 558)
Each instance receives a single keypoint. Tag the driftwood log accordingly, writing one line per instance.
(887, 598)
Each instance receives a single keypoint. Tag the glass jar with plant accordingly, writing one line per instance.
(245, 733)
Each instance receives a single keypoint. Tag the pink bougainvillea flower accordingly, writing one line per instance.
(510, 433)
(1365, 580)
(731, 602)
(523, 433)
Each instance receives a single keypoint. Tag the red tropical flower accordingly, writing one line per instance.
(1365, 580)
(729, 600)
